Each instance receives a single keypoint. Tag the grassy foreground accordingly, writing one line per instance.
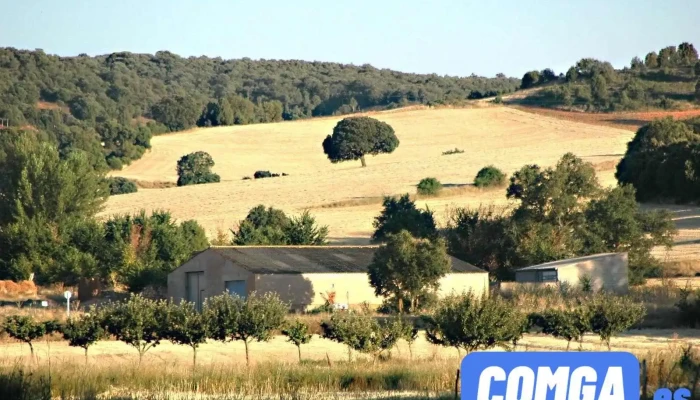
(363, 379)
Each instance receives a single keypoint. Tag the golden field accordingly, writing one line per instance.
(347, 197)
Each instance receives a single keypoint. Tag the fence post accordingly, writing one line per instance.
(644, 379)
(457, 386)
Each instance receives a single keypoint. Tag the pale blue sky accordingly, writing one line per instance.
(454, 37)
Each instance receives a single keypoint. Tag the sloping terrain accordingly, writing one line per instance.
(345, 196)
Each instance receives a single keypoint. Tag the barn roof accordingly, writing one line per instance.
(569, 261)
(310, 259)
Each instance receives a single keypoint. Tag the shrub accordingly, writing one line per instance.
(612, 315)
(454, 151)
(689, 307)
(402, 214)
(119, 185)
(489, 177)
(297, 333)
(255, 318)
(85, 330)
(429, 186)
(472, 323)
(569, 324)
(498, 99)
(27, 330)
(138, 322)
(195, 168)
(266, 174)
(185, 325)
(361, 332)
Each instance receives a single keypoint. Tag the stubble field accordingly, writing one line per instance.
(345, 196)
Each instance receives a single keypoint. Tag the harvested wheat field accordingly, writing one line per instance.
(345, 196)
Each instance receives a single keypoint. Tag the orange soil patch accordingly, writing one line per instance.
(627, 120)
(45, 105)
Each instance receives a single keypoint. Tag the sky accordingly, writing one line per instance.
(445, 37)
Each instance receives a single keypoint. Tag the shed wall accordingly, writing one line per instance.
(609, 273)
(217, 270)
(307, 290)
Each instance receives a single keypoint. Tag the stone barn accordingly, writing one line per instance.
(608, 271)
(301, 275)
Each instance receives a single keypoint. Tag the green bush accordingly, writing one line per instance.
(119, 185)
(362, 333)
(27, 330)
(297, 333)
(454, 151)
(195, 168)
(612, 315)
(489, 177)
(473, 323)
(429, 186)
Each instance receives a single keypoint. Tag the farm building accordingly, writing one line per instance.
(301, 275)
(607, 271)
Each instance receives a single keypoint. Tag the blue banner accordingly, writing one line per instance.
(550, 376)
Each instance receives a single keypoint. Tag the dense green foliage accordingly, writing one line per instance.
(355, 137)
(562, 213)
(475, 323)
(297, 333)
(185, 325)
(253, 319)
(664, 80)
(489, 176)
(119, 185)
(138, 322)
(429, 186)
(404, 269)
(662, 162)
(612, 315)
(402, 214)
(195, 168)
(28, 330)
(362, 333)
(85, 330)
(81, 102)
(273, 227)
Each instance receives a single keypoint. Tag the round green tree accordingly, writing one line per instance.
(355, 137)
(489, 176)
(195, 168)
(429, 186)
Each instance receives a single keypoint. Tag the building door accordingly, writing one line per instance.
(195, 289)
(237, 288)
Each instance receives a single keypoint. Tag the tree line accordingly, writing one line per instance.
(662, 80)
(463, 321)
(111, 105)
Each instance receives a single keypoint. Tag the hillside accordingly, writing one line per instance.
(669, 80)
(111, 105)
(345, 196)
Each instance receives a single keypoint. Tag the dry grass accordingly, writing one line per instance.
(623, 120)
(504, 137)
(113, 371)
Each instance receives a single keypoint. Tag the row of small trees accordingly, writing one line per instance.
(462, 321)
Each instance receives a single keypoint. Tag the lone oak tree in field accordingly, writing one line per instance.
(355, 137)
(404, 268)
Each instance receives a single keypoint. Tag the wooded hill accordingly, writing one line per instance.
(669, 79)
(111, 105)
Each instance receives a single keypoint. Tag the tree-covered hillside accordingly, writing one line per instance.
(669, 79)
(111, 105)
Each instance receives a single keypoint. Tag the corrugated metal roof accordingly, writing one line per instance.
(311, 259)
(567, 262)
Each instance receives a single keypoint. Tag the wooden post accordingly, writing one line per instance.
(457, 386)
(643, 379)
